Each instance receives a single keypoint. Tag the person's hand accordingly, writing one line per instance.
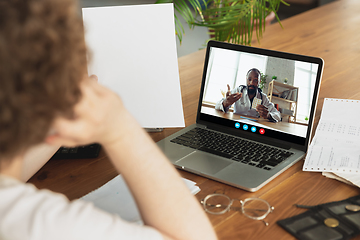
(263, 111)
(100, 116)
(231, 98)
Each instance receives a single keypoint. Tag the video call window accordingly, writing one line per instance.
(230, 67)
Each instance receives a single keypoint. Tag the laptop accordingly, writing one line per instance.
(240, 148)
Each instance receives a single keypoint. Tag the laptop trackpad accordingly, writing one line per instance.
(203, 162)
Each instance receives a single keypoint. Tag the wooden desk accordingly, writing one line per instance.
(331, 32)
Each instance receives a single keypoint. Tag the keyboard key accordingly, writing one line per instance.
(73, 150)
(260, 165)
(64, 150)
(184, 138)
(273, 164)
(256, 159)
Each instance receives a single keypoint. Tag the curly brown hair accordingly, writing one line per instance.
(42, 61)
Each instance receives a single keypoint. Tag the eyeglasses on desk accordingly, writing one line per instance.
(254, 208)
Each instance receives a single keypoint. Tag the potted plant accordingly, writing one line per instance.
(236, 21)
(227, 20)
(262, 83)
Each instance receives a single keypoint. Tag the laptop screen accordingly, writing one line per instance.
(260, 92)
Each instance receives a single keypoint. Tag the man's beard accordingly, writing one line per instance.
(252, 90)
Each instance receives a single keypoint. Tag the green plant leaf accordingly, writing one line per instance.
(227, 20)
(236, 21)
(188, 10)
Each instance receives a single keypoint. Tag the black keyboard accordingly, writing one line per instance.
(237, 149)
(88, 151)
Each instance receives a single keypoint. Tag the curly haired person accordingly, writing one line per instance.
(47, 101)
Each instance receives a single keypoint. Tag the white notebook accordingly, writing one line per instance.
(115, 197)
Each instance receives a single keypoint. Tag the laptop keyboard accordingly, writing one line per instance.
(240, 150)
(87, 151)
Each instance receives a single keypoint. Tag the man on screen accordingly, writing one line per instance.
(244, 96)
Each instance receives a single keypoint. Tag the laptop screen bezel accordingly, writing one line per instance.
(287, 140)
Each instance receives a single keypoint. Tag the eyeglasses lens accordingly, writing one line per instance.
(256, 209)
(217, 204)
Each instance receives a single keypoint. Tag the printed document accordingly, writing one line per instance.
(335, 146)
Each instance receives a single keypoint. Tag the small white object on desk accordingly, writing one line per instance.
(115, 197)
(348, 178)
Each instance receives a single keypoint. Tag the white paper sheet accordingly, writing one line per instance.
(342, 177)
(115, 197)
(335, 147)
(133, 52)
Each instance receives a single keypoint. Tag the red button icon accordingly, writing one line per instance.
(261, 131)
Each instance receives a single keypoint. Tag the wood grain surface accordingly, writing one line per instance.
(330, 32)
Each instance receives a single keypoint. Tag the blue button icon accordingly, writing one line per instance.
(237, 125)
(253, 129)
(245, 127)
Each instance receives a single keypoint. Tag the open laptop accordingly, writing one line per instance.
(221, 145)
